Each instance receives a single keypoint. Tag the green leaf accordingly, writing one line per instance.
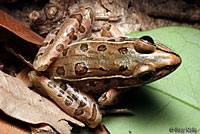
(172, 103)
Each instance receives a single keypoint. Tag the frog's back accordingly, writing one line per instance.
(95, 60)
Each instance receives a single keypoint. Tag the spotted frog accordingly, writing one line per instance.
(89, 73)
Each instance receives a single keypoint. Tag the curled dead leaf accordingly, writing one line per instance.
(18, 101)
(22, 58)
(16, 27)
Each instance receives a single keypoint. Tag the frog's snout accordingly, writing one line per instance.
(171, 59)
(176, 60)
(167, 61)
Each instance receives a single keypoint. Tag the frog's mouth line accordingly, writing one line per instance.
(164, 71)
(159, 73)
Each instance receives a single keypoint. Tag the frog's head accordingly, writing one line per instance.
(154, 60)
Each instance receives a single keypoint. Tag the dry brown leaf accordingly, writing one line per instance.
(9, 125)
(42, 129)
(21, 103)
(23, 75)
(129, 19)
(16, 27)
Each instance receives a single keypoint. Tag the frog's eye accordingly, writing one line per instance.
(146, 76)
(147, 39)
(145, 45)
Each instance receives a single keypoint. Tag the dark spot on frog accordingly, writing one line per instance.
(44, 44)
(51, 41)
(74, 96)
(102, 69)
(106, 81)
(123, 68)
(63, 86)
(92, 83)
(94, 113)
(111, 40)
(80, 68)
(74, 37)
(51, 84)
(78, 112)
(60, 70)
(102, 48)
(55, 31)
(71, 93)
(64, 52)
(59, 47)
(130, 132)
(82, 29)
(61, 93)
(85, 99)
(84, 47)
(82, 104)
(71, 33)
(123, 50)
(68, 101)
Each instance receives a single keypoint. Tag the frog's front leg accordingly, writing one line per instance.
(73, 101)
(109, 98)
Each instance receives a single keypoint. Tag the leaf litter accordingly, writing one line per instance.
(18, 101)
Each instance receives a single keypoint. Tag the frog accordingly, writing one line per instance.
(83, 74)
